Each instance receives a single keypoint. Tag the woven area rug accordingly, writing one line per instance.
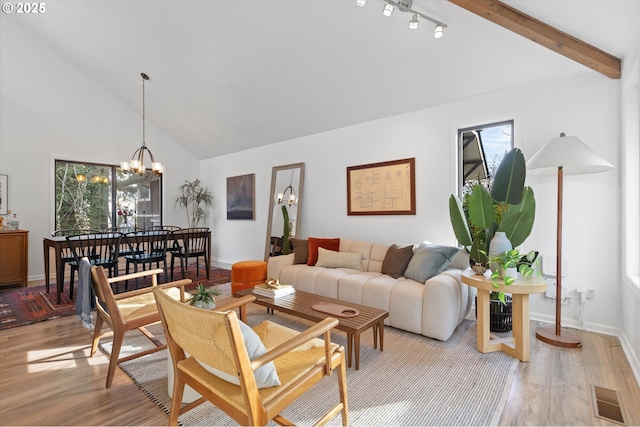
(414, 381)
(23, 306)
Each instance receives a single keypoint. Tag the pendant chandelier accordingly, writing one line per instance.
(293, 199)
(136, 164)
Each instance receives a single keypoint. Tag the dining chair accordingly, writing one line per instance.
(100, 248)
(191, 243)
(66, 253)
(172, 245)
(128, 311)
(251, 374)
(124, 247)
(146, 248)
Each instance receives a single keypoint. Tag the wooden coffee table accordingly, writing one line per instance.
(299, 304)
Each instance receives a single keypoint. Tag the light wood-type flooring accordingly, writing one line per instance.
(46, 378)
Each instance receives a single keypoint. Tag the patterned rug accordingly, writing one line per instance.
(23, 306)
(415, 381)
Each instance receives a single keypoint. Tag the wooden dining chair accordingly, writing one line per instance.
(252, 375)
(101, 248)
(128, 311)
(190, 243)
(145, 249)
(66, 253)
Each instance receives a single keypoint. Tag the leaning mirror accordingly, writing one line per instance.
(287, 184)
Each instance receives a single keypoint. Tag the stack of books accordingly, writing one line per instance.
(265, 291)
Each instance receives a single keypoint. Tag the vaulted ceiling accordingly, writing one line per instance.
(229, 75)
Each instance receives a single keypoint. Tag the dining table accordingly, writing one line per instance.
(59, 243)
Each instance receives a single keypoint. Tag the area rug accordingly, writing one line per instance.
(414, 381)
(23, 306)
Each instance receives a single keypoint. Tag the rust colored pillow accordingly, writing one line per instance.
(315, 243)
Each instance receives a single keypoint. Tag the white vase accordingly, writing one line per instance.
(499, 244)
(206, 306)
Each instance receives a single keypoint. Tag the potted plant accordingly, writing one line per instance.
(204, 298)
(508, 206)
(509, 263)
(194, 198)
(286, 230)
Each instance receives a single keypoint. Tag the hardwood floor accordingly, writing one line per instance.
(47, 378)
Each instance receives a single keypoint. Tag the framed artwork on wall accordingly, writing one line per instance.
(387, 188)
(4, 194)
(240, 197)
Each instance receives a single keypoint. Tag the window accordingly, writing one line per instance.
(87, 199)
(481, 151)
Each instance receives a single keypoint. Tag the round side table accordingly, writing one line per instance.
(517, 345)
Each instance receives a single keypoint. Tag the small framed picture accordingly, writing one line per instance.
(4, 194)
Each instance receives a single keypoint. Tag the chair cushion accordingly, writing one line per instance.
(429, 260)
(333, 259)
(396, 260)
(315, 243)
(266, 376)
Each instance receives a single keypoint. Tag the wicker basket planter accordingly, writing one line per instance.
(500, 315)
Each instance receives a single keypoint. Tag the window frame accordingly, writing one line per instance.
(114, 170)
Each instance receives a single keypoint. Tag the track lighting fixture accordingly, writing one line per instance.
(405, 6)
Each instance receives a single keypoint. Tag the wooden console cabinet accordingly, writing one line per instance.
(14, 257)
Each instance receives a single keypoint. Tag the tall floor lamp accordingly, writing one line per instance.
(568, 155)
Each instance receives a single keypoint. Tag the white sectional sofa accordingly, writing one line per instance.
(433, 308)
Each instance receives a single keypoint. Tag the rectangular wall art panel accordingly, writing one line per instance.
(240, 197)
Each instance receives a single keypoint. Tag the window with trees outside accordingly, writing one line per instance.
(91, 196)
(481, 151)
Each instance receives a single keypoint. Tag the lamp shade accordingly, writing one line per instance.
(569, 152)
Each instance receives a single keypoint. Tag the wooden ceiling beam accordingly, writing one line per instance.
(545, 35)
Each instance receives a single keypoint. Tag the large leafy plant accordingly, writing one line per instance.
(194, 198)
(508, 207)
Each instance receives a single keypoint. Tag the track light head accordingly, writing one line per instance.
(438, 32)
(361, 3)
(388, 9)
(413, 24)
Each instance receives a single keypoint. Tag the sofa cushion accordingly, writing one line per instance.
(333, 259)
(300, 251)
(314, 243)
(396, 260)
(429, 260)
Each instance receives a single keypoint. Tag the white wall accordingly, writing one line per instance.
(50, 110)
(630, 229)
(586, 106)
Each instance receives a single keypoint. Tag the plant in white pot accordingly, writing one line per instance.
(194, 198)
(204, 298)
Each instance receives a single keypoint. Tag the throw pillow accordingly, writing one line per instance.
(315, 243)
(266, 376)
(333, 259)
(428, 261)
(396, 260)
(300, 251)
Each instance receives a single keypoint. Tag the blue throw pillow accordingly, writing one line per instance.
(429, 260)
